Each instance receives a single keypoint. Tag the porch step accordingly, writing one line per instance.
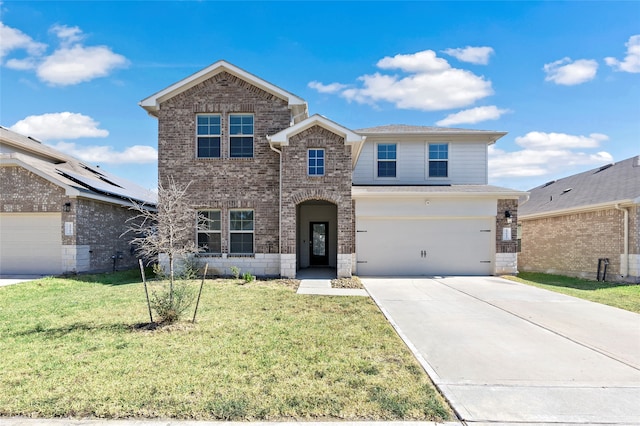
(323, 288)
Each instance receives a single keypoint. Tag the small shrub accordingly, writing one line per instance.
(171, 304)
(247, 277)
(235, 271)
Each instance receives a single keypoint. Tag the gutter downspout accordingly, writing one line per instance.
(626, 238)
(279, 202)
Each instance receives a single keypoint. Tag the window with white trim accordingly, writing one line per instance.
(209, 231)
(438, 160)
(208, 136)
(241, 232)
(315, 162)
(387, 155)
(240, 135)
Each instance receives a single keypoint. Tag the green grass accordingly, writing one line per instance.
(621, 296)
(78, 348)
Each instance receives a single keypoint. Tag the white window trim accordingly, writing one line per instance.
(376, 160)
(253, 232)
(324, 157)
(208, 231)
(442, 178)
(205, 136)
(253, 144)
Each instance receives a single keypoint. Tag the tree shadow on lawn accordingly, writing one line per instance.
(57, 332)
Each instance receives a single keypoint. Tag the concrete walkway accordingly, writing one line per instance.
(509, 353)
(17, 279)
(322, 287)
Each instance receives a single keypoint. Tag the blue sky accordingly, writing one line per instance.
(562, 78)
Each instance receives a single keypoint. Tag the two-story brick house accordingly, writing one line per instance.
(283, 191)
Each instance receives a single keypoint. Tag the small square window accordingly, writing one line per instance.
(316, 162)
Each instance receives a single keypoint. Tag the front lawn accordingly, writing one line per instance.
(621, 296)
(80, 348)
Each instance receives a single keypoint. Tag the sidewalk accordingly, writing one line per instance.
(322, 287)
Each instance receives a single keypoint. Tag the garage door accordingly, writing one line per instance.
(405, 247)
(30, 243)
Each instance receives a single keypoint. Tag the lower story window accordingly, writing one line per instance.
(209, 240)
(241, 232)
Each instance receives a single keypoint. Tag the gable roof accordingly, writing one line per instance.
(152, 103)
(350, 137)
(490, 136)
(611, 184)
(68, 172)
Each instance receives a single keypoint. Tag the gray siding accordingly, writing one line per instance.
(467, 164)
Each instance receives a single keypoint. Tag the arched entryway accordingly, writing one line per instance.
(316, 235)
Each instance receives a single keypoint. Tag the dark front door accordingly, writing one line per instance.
(319, 243)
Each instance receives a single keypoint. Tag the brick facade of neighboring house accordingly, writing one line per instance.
(52, 221)
(571, 223)
(281, 197)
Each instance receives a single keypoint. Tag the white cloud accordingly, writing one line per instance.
(631, 62)
(431, 84)
(473, 115)
(14, 39)
(326, 88)
(137, 154)
(536, 140)
(59, 125)
(570, 73)
(474, 55)
(71, 63)
(78, 64)
(547, 154)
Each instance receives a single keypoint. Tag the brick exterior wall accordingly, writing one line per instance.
(334, 187)
(97, 226)
(24, 191)
(572, 244)
(225, 183)
(100, 226)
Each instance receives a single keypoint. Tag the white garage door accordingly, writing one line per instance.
(30, 243)
(405, 247)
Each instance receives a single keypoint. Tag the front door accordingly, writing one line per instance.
(319, 243)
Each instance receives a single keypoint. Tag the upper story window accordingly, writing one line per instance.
(241, 232)
(209, 231)
(208, 136)
(315, 162)
(241, 135)
(438, 160)
(387, 154)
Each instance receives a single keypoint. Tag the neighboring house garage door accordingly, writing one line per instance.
(30, 243)
(405, 247)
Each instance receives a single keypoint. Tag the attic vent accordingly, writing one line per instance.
(567, 190)
(34, 139)
(605, 167)
(548, 183)
(636, 161)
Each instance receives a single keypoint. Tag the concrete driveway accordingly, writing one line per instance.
(506, 352)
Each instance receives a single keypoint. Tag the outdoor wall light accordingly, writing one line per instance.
(67, 207)
(507, 215)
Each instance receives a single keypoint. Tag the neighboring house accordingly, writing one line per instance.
(281, 190)
(569, 224)
(58, 215)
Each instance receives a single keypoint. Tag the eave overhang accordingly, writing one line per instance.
(435, 191)
(581, 209)
(151, 104)
(350, 137)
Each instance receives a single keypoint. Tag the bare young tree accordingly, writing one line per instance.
(167, 230)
